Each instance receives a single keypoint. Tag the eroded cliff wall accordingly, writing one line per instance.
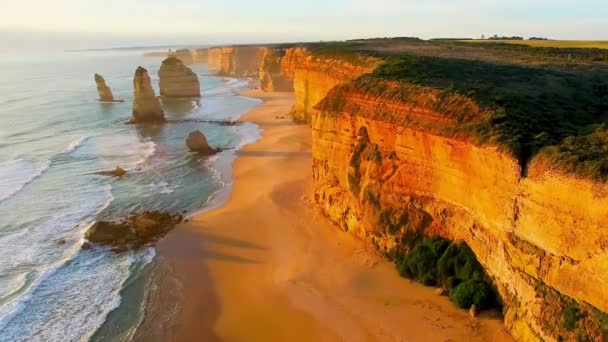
(237, 60)
(315, 76)
(385, 178)
(272, 77)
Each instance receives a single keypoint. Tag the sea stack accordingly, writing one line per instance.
(105, 94)
(177, 80)
(146, 107)
(197, 142)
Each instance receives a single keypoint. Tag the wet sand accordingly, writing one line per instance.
(268, 266)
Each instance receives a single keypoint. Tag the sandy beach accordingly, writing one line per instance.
(267, 266)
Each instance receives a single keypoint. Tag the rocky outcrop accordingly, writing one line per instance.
(177, 80)
(385, 170)
(146, 106)
(117, 172)
(135, 231)
(105, 94)
(197, 142)
(272, 78)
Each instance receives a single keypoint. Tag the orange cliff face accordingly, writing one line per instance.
(242, 61)
(541, 238)
(272, 77)
(314, 77)
(214, 57)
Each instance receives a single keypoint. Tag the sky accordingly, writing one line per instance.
(76, 24)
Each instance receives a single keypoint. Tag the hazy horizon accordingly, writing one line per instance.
(72, 24)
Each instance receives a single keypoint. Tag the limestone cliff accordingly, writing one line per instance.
(214, 57)
(177, 80)
(241, 61)
(146, 107)
(542, 238)
(272, 77)
(105, 94)
(315, 76)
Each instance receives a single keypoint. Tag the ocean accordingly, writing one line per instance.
(54, 138)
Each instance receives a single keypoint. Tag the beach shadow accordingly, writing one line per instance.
(200, 245)
(277, 123)
(211, 238)
(273, 154)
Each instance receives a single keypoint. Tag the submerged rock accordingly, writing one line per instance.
(146, 107)
(177, 80)
(117, 172)
(137, 230)
(197, 142)
(105, 94)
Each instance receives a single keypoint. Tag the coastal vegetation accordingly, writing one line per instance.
(583, 44)
(521, 109)
(435, 261)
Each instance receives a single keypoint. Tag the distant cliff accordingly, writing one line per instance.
(177, 80)
(236, 61)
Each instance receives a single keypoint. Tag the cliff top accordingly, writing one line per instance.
(524, 109)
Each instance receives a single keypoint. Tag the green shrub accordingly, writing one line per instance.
(458, 264)
(572, 314)
(471, 292)
(437, 261)
(421, 263)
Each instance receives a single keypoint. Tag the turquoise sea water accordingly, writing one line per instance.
(54, 137)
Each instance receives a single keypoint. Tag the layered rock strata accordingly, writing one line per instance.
(272, 77)
(177, 80)
(146, 106)
(384, 170)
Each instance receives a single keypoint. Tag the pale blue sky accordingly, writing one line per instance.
(104, 23)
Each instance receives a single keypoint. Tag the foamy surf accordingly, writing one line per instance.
(16, 174)
(33, 258)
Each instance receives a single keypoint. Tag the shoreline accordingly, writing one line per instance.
(267, 265)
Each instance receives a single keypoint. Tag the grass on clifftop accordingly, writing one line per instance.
(523, 109)
(531, 107)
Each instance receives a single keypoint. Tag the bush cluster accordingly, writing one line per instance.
(435, 261)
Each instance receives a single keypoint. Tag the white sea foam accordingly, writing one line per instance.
(33, 254)
(76, 144)
(16, 174)
(123, 150)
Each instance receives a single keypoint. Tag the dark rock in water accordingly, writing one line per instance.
(146, 107)
(197, 142)
(105, 94)
(86, 246)
(177, 80)
(117, 172)
(136, 231)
